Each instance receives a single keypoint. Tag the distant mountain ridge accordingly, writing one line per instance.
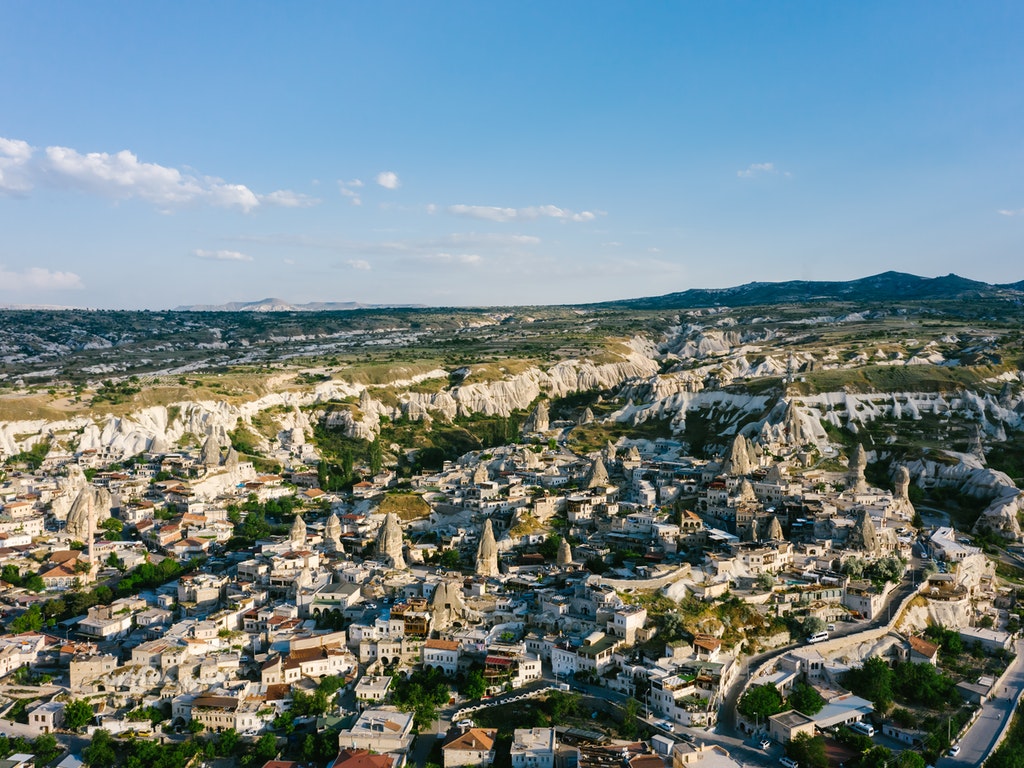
(280, 305)
(887, 286)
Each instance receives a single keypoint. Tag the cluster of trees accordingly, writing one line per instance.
(117, 392)
(44, 747)
(104, 751)
(77, 601)
(421, 693)
(908, 683)
(33, 582)
(761, 701)
(884, 570)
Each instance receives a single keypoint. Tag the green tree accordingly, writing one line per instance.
(376, 456)
(812, 625)
(78, 713)
(30, 621)
(45, 748)
(761, 701)
(806, 699)
(909, 759)
(808, 751)
(34, 583)
(11, 575)
(227, 742)
(549, 547)
(630, 727)
(265, 748)
(475, 685)
(101, 752)
(873, 681)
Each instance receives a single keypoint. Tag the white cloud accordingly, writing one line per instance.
(388, 180)
(758, 169)
(495, 213)
(349, 189)
(468, 259)
(1009, 212)
(287, 199)
(123, 176)
(361, 264)
(221, 255)
(39, 279)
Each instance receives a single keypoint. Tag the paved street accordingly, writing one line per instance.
(979, 742)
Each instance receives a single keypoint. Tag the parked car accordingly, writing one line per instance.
(954, 750)
(764, 743)
(788, 762)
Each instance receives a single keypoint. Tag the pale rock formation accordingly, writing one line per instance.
(858, 463)
(69, 488)
(609, 452)
(447, 605)
(90, 508)
(774, 532)
(487, 552)
(297, 536)
(332, 533)
(1002, 515)
(746, 491)
(303, 581)
(901, 505)
(863, 535)
(597, 477)
(389, 542)
(564, 557)
(231, 460)
(741, 459)
(774, 474)
(538, 420)
(159, 445)
(480, 474)
(586, 417)
(633, 455)
(209, 456)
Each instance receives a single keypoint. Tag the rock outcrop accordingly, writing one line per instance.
(741, 459)
(297, 535)
(487, 552)
(446, 605)
(564, 557)
(538, 420)
(855, 476)
(863, 535)
(332, 533)
(390, 548)
(90, 508)
(597, 477)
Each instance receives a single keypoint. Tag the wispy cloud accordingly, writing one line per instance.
(472, 242)
(1010, 212)
(123, 176)
(468, 259)
(496, 213)
(388, 180)
(221, 255)
(350, 189)
(761, 169)
(360, 264)
(39, 279)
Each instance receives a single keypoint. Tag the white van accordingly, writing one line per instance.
(817, 637)
(861, 727)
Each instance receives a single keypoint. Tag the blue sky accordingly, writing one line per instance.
(157, 154)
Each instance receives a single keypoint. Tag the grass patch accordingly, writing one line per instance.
(407, 506)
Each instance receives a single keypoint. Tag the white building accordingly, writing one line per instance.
(533, 748)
